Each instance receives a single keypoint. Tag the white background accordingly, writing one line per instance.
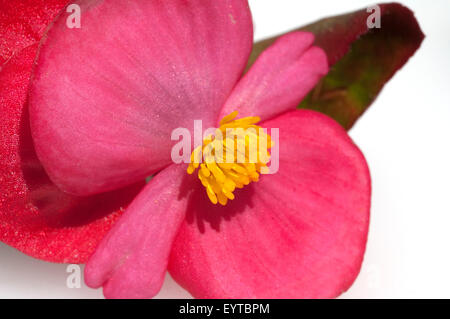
(405, 138)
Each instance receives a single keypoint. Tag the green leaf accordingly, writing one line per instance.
(361, 59)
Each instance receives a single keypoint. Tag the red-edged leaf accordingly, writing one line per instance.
(35, 216)
(362, 59)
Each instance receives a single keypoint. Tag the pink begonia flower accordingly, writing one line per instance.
(103, 103)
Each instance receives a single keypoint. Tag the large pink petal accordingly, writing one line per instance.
(132, 259)
(35, 216)
(106, 97)
(280, 78)
(300, 233)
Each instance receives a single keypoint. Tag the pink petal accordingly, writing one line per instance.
(106, 97)
(300, 233)
(36, 217)
(131, 260)
(280, 78)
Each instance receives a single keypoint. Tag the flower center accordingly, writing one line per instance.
(233, 157)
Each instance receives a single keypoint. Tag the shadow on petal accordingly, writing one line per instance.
(201, 211)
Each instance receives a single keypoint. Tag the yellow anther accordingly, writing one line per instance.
(205, 171)
(228, 165)
(229, 118)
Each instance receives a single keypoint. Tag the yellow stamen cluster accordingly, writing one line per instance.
(231, 162)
